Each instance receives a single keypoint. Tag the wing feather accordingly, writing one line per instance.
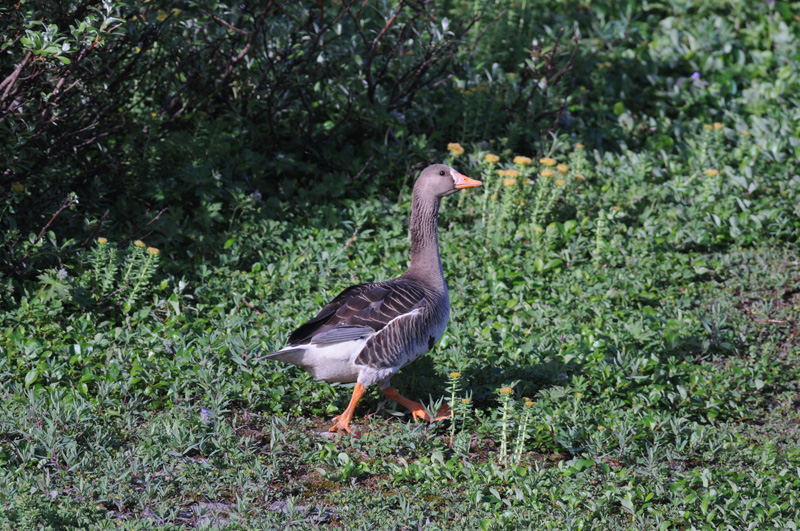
(359, 312)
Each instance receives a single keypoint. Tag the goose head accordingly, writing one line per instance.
(441, 180)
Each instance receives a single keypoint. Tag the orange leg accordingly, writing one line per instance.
(343, 420)
(417, 411)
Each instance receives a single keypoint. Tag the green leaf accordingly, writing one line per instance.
(31, 377)
(627, 505)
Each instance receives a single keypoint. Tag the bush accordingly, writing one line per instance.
(168, 117)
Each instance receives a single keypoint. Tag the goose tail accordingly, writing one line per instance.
(288, 354)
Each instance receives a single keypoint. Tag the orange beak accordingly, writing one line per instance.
(462, 181)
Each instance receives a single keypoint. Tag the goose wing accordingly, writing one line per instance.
(360, 312)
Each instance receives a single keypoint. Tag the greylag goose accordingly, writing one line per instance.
(370, 331)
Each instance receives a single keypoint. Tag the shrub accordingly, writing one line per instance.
(138, 108)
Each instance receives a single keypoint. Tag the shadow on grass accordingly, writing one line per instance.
(421, 380)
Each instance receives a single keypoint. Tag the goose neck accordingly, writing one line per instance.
(425, 261)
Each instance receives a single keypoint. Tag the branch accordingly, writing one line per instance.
(141, 228)
(250, 305)
(225, 23)
(96, 230)
(10, 80)
(71, 200)
(373, 49)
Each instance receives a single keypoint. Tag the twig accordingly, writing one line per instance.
(142, 227)
(374, 48)
(70, 201)
(250, 305)
(363, 168)
(10, 80)
(96, 230)
(483, 32)
(225, 23)
(351, 240)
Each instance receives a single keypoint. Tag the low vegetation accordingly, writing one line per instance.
(623, 351)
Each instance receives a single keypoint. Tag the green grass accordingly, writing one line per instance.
(649, 312)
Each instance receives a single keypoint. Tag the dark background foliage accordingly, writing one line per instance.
(158, 115)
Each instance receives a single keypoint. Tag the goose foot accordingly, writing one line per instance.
(443, 413)
(417, 411)
(343, 421)
(341, 426)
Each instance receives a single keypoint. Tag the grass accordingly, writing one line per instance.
(645, 322)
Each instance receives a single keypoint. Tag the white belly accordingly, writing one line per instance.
(331, 363)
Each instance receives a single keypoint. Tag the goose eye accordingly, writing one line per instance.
(441, 173)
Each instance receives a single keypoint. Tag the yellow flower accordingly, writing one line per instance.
(528, 402)
(505, 390)
(561, 182)
(708, 126)
(548, 173)
(537, 229)
(746, 132)
(508, 173)
(18, 186)
(455, 148)
(579, 146)
(711, 173)
(102, 241)
(718, 126)
(522, 161)
(547, 161)
(153, 251)
(615, 207)
(578, 395)
(601, 428)
(455, 375)
(465, 400)
(491, 159)
(509, 182)
(526, 181)
(139, 243)
(580, 177)
(562, 168)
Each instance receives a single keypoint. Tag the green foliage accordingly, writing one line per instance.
(157, 115)
(639, 303)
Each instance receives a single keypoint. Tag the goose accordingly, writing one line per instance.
(370, 331)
